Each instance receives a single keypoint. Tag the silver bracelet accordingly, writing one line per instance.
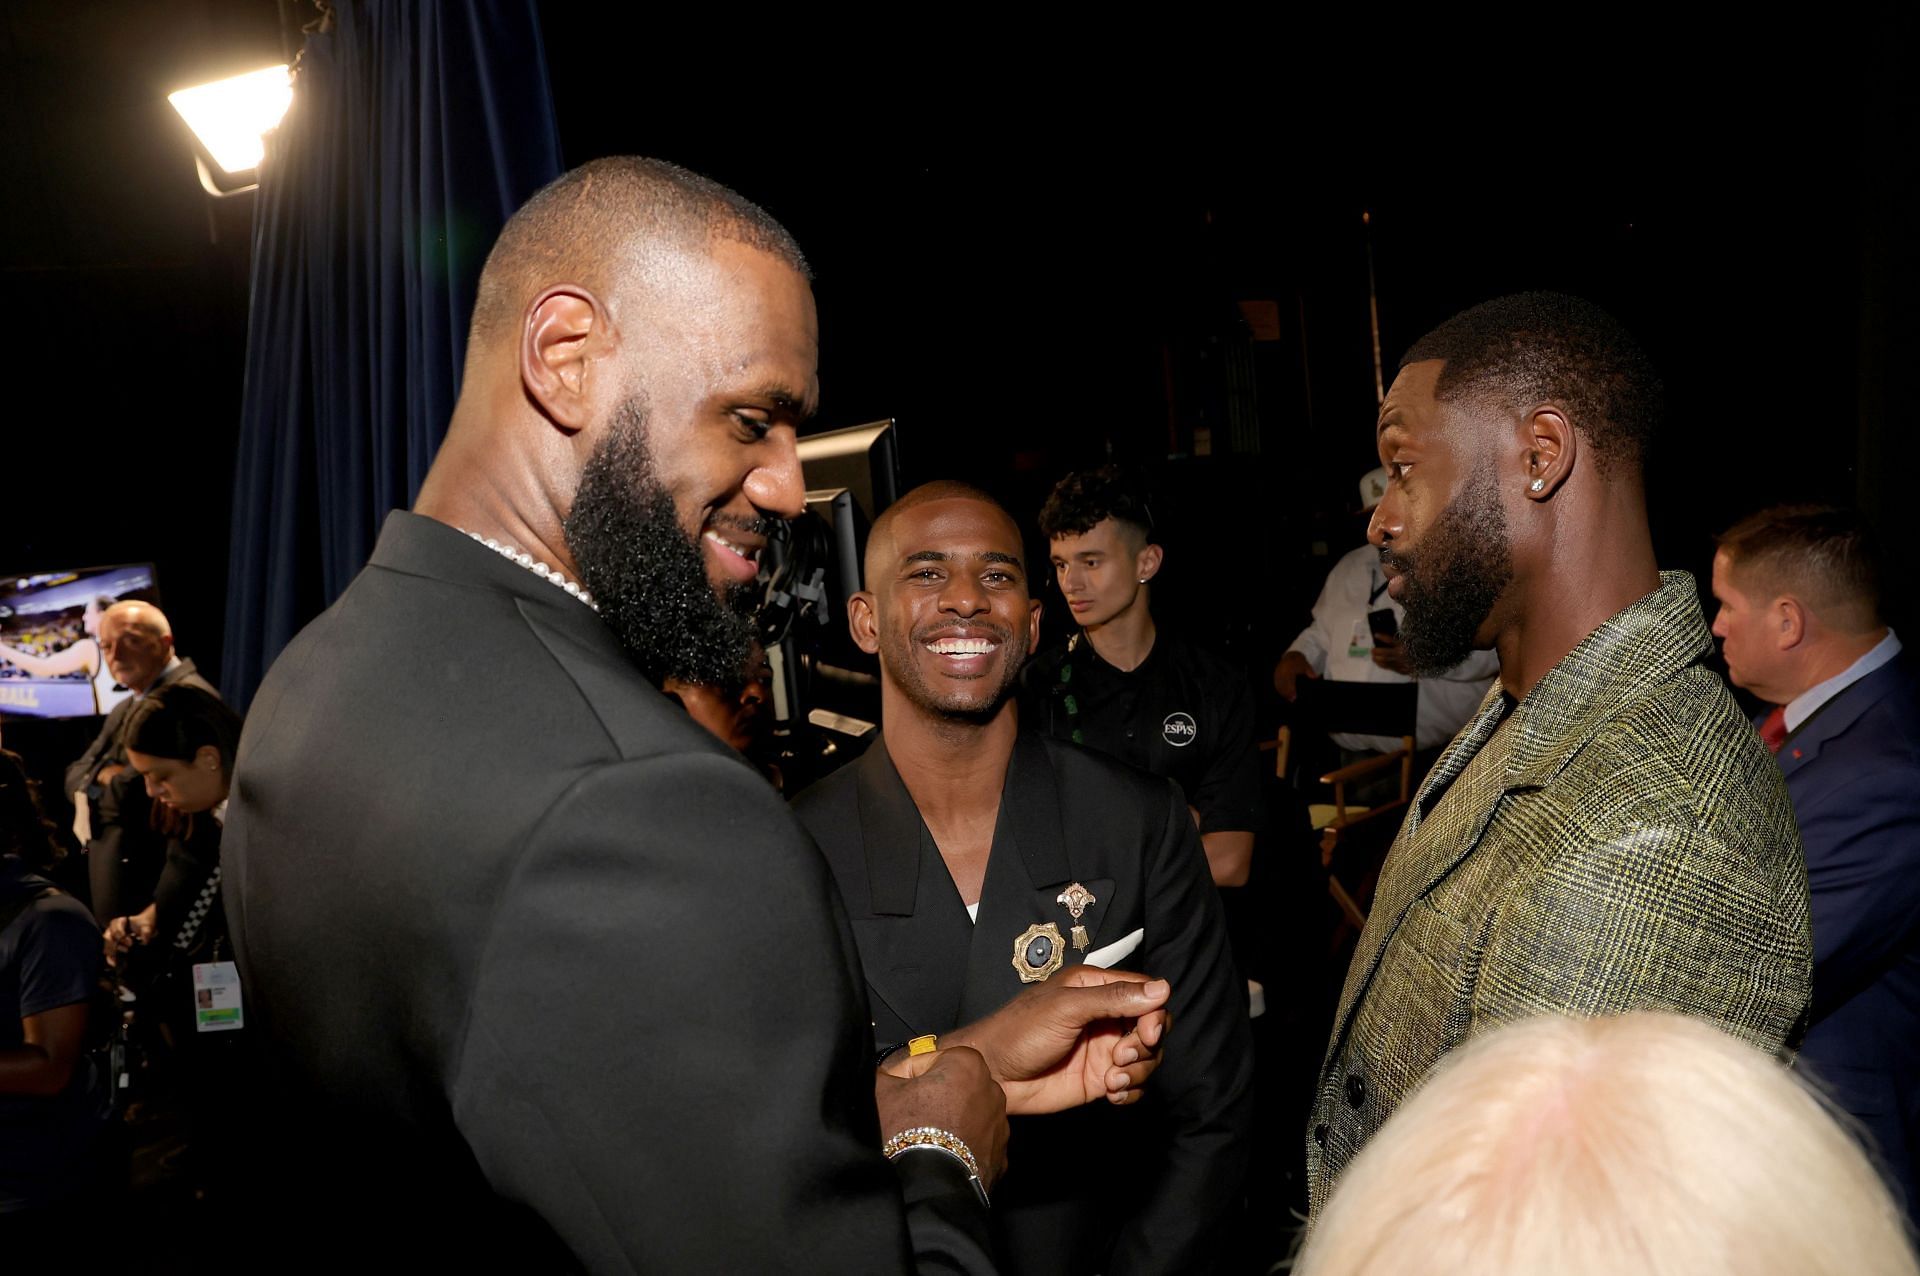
(934, 1139)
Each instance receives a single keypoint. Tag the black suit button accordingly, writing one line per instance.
(1320, 1134)
(1356, 1090)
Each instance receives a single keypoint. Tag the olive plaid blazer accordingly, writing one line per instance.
(1620, 841)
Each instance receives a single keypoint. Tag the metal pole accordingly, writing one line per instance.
(1373, 313)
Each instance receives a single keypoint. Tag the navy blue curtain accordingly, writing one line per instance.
(415, 131)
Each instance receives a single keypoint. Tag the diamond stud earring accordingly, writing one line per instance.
(1538, 485)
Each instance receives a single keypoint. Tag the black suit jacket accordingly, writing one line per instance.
(1164, 1176)
(551, 972)
(129, 865)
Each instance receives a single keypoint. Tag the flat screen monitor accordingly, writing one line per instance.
(851, 476)
(861, 459)
(50, 661)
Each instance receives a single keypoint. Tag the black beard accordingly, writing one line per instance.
(1454, 577)
(648, 576)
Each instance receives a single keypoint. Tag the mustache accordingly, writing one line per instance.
(753, 526)
(1399, 562)
(957, 629)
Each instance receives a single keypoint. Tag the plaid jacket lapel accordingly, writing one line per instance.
(1465, 747)
(1432, 839)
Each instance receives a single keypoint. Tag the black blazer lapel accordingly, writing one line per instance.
(1006, 910)
(915, 937)
(1029, 868)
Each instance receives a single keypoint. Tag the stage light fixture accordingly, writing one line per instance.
(230, 117)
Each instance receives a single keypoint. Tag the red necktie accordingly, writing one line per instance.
(1773, 729)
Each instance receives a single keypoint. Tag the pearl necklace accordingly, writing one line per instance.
(541, 570)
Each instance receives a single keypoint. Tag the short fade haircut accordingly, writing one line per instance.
(1086, 498)
(1825, 556)
(1648, 1142)
(577, 226)
(1539, 347)
(880, 536)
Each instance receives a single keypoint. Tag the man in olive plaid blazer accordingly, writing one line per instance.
(1607, 834)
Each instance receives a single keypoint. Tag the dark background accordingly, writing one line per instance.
(1032, 249)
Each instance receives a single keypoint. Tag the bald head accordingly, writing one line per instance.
(607, 224)
(645, 347)
(137, 642)
(143, 616)
(881, 549)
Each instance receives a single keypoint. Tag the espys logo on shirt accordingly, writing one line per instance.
(1179, 730)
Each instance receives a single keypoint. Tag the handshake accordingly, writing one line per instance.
(1083, 1035)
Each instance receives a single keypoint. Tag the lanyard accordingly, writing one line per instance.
(1065, 691)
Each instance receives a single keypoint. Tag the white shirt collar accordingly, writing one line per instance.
(1803, 706)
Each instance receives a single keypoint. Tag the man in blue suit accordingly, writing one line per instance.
(1800, 625)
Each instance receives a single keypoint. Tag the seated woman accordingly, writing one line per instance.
(180, 740)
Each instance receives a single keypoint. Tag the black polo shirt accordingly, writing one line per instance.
(1184, 713)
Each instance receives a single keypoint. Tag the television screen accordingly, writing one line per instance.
(50, 661)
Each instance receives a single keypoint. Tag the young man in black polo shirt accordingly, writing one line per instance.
(1122, 686)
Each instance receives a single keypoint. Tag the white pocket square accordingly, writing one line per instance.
(1104, 957)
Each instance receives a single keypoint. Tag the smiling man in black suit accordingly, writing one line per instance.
(552, 977)
(978, 861)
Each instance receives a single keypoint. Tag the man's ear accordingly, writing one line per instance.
(1552, 448)
(1146, 564)
(1033, 624)
(1790, 621)
(863, 622)
(565, 332)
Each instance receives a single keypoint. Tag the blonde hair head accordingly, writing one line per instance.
(1646, 1143)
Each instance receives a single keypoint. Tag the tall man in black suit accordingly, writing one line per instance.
(977, 861)
(553, 974)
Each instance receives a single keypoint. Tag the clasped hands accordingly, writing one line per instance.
(1084, 1034)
